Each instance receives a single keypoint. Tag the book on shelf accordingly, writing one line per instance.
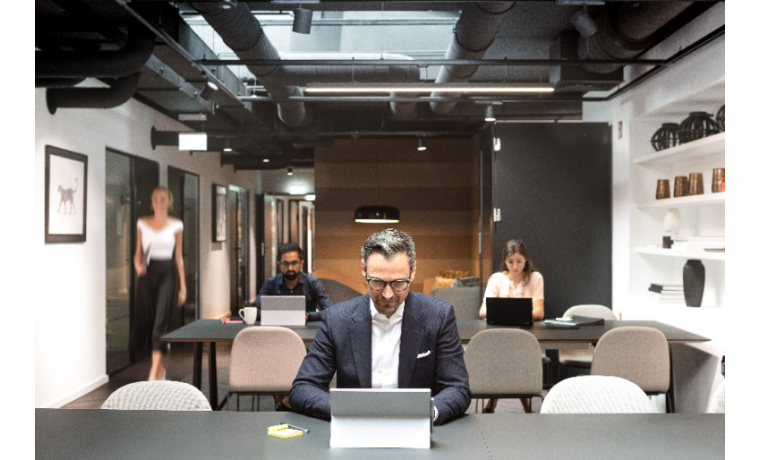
(699, 243)
(665, 287)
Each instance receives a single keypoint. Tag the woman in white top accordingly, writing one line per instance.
(159, 239)
(517, 278)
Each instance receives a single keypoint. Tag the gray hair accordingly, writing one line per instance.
(389, 242)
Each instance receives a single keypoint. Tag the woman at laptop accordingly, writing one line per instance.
(517, 278)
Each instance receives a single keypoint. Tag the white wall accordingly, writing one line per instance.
(70, 297)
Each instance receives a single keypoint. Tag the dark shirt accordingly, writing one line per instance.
(308, 286)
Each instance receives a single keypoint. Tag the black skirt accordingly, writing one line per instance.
(153, 308)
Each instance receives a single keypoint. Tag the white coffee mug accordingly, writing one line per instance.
(248, 314)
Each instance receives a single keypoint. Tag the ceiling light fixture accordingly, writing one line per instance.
(584, 23)
(490, 117)
(429, 88)
(376, 213)
(227, 4)
(421, 144)
(302, 20)
(208, 91)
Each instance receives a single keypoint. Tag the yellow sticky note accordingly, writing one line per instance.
(286, 433)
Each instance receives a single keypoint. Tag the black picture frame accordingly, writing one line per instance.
(66, 192)
(218, 213)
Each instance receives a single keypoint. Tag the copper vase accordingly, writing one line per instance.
(695, 184)
(681, 188)
(719, 178)
(663, 189)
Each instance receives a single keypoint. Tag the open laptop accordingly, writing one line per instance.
(381, 417)
(509, 311)
(283, 310)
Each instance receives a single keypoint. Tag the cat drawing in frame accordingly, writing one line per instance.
(67, 198)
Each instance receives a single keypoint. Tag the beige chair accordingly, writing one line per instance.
(157, 395)
(264, 360)
(581, 358)
(504, 363)
(596, 394)
(639, 354)
(466, 300)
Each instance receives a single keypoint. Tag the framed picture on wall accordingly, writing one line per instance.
(219, 213)
(65, 196)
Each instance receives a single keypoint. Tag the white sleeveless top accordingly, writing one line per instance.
(161, 242)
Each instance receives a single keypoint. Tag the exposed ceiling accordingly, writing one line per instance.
(238, 72)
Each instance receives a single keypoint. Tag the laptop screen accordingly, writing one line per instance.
(509, 311)
(283, 310)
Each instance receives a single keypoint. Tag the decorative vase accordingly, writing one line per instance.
(693, 282)
(666, 136)
(696, 126)
(720, 117)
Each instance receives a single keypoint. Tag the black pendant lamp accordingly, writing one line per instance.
(376, 213)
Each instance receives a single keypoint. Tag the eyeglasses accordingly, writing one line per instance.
(379, 285)
(295, 263)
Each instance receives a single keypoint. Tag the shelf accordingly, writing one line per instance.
(686, 201)
(709, 145)
(703, 255)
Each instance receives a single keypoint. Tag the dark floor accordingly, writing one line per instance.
(179, 367)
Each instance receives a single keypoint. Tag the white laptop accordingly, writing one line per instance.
(381, 417)
(283, 310)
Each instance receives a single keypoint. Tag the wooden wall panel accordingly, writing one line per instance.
(436, 192)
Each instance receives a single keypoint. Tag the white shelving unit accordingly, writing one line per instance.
(701, 215)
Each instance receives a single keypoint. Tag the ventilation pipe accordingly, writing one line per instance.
(93, 98)
(625, 31)
(473, 34)
(243, 33)
(99, 64)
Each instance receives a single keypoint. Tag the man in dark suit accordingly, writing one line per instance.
(389, 338)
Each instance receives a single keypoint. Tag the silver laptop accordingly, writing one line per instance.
(381, 417)
(283, 310)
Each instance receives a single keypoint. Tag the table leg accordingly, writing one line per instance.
(197, 364)
(213, 396)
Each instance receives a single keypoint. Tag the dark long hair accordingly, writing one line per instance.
(513, 247)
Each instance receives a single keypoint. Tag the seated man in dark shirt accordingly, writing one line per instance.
(292, 281)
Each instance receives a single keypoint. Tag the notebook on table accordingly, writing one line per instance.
(381, 417)
(283, 310)
(509, 311)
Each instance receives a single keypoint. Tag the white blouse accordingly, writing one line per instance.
(160, 243)
(499, 285)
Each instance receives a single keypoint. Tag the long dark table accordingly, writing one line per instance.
(96, 434)
(212, 331)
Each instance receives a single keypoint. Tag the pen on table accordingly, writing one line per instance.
(298, 428)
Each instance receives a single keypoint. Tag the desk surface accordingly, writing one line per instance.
(212, 330)
(96, 434)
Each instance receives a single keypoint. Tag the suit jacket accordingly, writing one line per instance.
(431, 356)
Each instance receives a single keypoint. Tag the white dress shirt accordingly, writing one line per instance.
(386, 345)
